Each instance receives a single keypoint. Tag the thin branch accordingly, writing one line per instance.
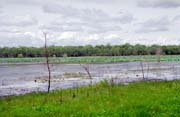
(47, 60)
(86, 68)
(142, 69)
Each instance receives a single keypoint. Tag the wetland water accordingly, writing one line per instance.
(24, 78)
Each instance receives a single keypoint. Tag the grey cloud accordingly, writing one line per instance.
(24, 2)
(44, 2)
(62, 10)
(68, 11)
(9, 30)
(124, 17)
(97, 1)
(176, 18)
(0, 9)
(61, 28)
(159, 41)
(93, 39)
(153, 25)
(19, 40)
(49, 28)
(21, 21)
(90, 27)
(90, 20)
(112, 41)
(95, 15)
(159, 3)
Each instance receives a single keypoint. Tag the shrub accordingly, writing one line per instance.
(20, 55)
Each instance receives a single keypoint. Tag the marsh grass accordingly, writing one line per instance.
(136, 99)
(74, 75)
(92, 59)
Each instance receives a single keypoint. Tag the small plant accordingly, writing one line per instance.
(65, 55)
(112, 82)
(74, 74)
(73, 95)
(104, 83)
(20, 56)
(61, 97)
(87, 93)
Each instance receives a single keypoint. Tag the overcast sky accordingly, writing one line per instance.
(82, 22)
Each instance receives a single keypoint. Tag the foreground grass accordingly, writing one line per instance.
(94, 59)
(136, 99)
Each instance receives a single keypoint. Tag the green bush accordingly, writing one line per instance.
(20, 56)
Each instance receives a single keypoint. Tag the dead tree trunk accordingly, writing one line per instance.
(148, 71)
(142, 69)
(47, 60)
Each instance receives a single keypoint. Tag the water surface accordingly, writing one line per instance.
(25, 78)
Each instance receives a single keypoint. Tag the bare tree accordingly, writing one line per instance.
(142, 70)
(148, 69)
(47, 60)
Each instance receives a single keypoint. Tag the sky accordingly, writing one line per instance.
(84, 22)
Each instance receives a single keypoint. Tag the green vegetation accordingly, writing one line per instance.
(96, 59)
(141, 99)
(88, 50)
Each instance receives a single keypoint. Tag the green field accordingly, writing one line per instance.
(141, 99)
(94, 59)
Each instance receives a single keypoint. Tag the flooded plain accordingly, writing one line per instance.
(25, 78)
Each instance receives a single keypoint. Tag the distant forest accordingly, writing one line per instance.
(88, 50)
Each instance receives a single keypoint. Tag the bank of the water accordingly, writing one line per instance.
(93, 59)
(135, 99)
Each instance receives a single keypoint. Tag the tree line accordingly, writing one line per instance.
(89, 50)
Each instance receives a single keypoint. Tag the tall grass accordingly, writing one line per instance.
(139, 99)
(94, 59)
